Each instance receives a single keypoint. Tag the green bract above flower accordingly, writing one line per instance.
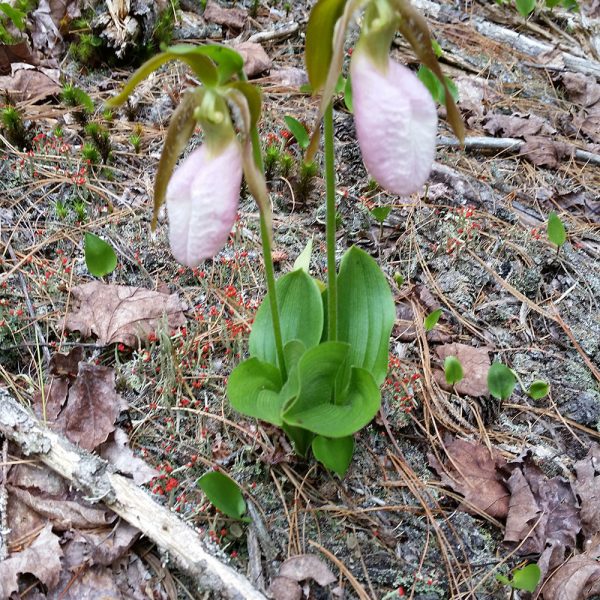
(396, 123)
(202, 201)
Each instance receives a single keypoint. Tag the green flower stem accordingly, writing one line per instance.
(330, 235)
(269, 271)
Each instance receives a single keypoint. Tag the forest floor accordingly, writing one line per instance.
(412, 518)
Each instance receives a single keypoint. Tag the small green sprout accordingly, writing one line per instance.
(286, 164)
(90, 152)
(538, 389)
(432, 319)
(556, 231)
(136, 141)
(100, 258)
(526, 578)
(80, 211)
(501, 381)
(399, 279)
(224, 494)
(453, 370)
(381, 213)
(61, 210)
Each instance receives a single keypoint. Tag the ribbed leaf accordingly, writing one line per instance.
(366, 312)
(301, 316)
(334, 453)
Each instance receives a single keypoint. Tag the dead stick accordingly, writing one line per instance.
(4, 504)
(98, 481)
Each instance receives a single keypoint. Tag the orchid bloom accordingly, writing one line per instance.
(202, 201)
(396, 123)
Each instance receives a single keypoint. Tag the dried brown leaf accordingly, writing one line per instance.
(475, 363)
(47, 405)
(96, 583)
(587, 487)
(517, 125)
(27, 82)
(473, 472)
(577, 579)
(282, 588)
(541, 510)
(92, 408)
(544, 152)
(116, 313)
(14, 53)
(307, 566)
(118, 453)
(66, 365)
(293, 77)
(581, 89)
(64, 514)
(41, 559)
(235, 18)
(256, 60)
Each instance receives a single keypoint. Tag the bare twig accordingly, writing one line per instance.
(96, 478)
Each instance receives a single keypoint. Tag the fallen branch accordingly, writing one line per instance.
(510, 144)
(98, 481)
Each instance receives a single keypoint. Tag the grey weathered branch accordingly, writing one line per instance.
(98, 481)
(509, 144)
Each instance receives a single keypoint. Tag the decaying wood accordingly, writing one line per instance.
(98, 481)
(521, 43)
(509, 144)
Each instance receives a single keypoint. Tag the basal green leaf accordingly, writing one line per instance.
(525, 7)
(223, 493)
(366, 312)
(334, 453)
(303, 260)
(100, 258)
(319, 36)
(298, 131)
(501, 381)
(556, 230)
(253, 390)
(538, 389)
(292, 353)
(453, 370)
(431, 320)
(526, 578)
(300, 313)
(315, 406)
(301, 439)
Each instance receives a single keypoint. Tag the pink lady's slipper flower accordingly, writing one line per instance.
(202, 200)
(396, 123)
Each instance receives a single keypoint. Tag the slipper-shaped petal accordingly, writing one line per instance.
(202, 201)
(396, 123)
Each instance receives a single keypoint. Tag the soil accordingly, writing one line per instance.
(389, 521)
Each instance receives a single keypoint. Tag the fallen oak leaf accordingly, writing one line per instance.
(587, 487)
(577, 579)
(234, 18)
(307, 566)
(93, 407)
(125, 314)
(41, 559)
(545, 152)
(514, 126)
(475, 363)
(472, 471)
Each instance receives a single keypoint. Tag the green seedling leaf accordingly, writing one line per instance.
(366, 312)
(437, 49)
(298, 131)
(303, 260)
(432, 83)
(399, 279)
(253, 390)
(453, 370)
(348, 95)
(319, 36)
(431, 320)
(503, 579)
(334, 453)
(556, 230)
(381, 213)
(100, 258)
(525, 7)
(223, 493)
(526, 578)
(14, 14)
(538, 389)
(300, 313)
(501, 381)
(316, 408)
